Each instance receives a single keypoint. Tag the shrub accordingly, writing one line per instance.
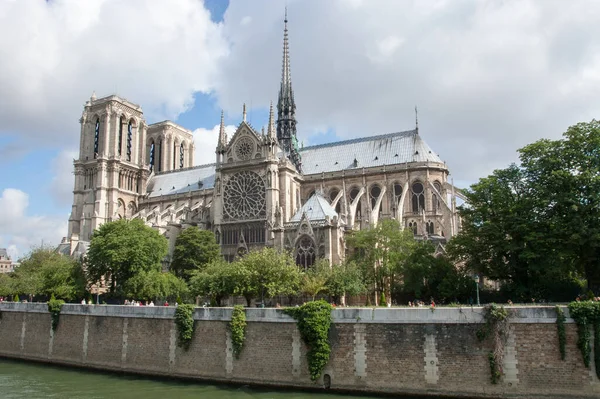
(560, 329)
(313, 320)
(237, 327)
(54, 307)
(184, 320)
(496, 324)
(586, 314)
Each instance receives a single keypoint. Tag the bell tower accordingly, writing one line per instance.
(111, 172)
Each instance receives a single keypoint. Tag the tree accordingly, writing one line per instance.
(121, 249)
(6, 285)
(46, 272)
(381, 253)
(314, 280)
(533, 225)
(271, 273)
(218, 280)
(194, 248)
(345, 279)
(154, 284)
(565, 177)
(426, 276)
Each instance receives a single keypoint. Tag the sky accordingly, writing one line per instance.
(488, 77)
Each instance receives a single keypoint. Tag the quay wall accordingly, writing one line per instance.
(398, 351)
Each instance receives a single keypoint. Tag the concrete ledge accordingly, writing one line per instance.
(424, 315)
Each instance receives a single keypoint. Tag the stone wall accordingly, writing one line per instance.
(413, 351)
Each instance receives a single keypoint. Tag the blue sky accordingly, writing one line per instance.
(489, 79)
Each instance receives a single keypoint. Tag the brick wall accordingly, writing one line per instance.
(402, 351)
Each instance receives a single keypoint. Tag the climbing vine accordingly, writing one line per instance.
(237, 327)
(313, 320)
(560, 328)
(54, 307)
(496, 325)
(586, 314)
(184, 320)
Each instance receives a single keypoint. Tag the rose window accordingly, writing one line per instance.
(244, 196)
(244, 148)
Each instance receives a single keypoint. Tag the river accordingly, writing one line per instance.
(20, 380)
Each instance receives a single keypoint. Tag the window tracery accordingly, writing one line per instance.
(244, 196)
(244, 148)
(120, 143)
(96, 138)
(435, 201)
(306, 252)
(418, 197)
(181, 155)
(129, 139)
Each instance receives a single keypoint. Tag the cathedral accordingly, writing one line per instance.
(261, 189)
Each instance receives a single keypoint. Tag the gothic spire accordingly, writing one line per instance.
(222, 134)
(271, 131)
(286, 106)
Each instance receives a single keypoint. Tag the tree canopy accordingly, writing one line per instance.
(122, 249)
(536, 226)
(194, 249)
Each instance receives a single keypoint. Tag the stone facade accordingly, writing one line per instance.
(262, 188)
(6, 263)
(407, 351)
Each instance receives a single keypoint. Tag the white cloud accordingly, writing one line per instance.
(206, 141)
(20, 231)
(56, 53)
(488, 76)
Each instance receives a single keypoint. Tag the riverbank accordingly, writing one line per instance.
(400, 351)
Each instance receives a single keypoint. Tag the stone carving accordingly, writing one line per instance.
(244, 196)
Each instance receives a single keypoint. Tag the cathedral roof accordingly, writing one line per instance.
(182, 180)
(365, 152)
(316, 208)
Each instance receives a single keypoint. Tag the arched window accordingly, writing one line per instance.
(435, 201)
(354, 193)
(412, 226)
(181, 156)
(332, 196)
(174, 155)
(429, 227)
(306, 253)
(397, 195)
(418, 197)
(120, 141)
(129, 138)
(152, 148)
(96, 138)
(160, 155)
(310, 194)
(374, 193)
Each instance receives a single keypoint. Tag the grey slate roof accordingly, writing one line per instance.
(182, 181)
(387, 149)
(316, 208)
(3, 253)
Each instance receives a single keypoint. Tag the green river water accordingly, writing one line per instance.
(20, 380)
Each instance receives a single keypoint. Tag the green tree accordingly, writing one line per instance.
(536, 226)
(46, 272)
(345, 279)
(121, 249)
(194, 248)
(271, 273)
(314, 280)
(218, 280)
(426, 276)
(154, 284)
(6, 285)
(381, 253)
(564, 175)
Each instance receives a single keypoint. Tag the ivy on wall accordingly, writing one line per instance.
(560, 329)
(313, 320)
(237, 327)
(496, 325)
(587, 314)
(54, 307)
(184, 320)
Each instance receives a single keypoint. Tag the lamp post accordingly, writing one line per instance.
(477, 287)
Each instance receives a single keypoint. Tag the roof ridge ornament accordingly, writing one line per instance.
(416, 120)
